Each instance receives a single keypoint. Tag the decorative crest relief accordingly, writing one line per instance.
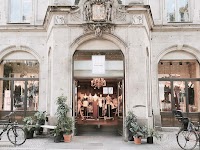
(98, 15)
(60, 19)
(137, 19)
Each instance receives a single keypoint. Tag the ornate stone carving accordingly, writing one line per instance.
(98, 15)
(137, 19)
(120, 14)
(98, 10)
(98, 28)
(60, 19)
(76, 16)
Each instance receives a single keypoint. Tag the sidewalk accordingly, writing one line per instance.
(98, 142)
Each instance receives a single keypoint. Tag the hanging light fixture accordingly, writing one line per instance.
(98, 82)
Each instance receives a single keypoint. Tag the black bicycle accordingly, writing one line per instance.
(189, 134)
(16, 135)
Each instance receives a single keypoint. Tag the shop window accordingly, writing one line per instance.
(20, 11)
(177, 10)
(19, 87)
(179, 85)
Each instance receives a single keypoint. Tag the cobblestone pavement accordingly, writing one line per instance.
(88, 142)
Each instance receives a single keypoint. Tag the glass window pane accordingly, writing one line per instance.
(170, 10)
(177, 10)
(179, 95)
(182, 10)
(165, 95)
(27, 9)
(193, 95)
(32, 95)
(15, 10)
(19, 97)
(5, 95)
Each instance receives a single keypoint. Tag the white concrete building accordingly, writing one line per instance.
(146, 52)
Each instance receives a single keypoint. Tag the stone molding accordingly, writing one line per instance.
(76, 16)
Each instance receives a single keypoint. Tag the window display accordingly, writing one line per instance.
(179, 86)
(94, 105)
(20, 78)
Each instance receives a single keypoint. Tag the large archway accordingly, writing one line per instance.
(98, 73)
(19, 81)
(179, 83)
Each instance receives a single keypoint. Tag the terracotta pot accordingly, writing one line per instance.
(137, 140)
(67, 138)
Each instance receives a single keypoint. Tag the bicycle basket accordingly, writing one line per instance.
(177, 113)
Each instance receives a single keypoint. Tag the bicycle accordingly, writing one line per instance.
(189, 135)
(16, 135)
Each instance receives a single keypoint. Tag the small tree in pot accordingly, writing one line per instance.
(64, 122)
(68, 124)
(137, 132)
(130, 118)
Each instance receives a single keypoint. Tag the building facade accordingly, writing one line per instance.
(107, 57)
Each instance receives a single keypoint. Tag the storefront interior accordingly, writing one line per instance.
(179, 86)
(98, 103)
(19, 87)
(98, 97)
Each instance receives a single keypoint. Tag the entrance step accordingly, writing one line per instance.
(98, 130)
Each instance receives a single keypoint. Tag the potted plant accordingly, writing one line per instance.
(40, 120)
(137, 132)
(130, 118)
(58, 135)
(152, 133)
(64, 122)
(68, 123)
(29, 127)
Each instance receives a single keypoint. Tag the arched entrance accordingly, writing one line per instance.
(19, 82)
(98, 72)
(179, 85)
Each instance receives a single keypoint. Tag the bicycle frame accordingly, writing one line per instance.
(187, 126)
(7, 126)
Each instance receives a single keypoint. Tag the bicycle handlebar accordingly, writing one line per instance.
(8, 116)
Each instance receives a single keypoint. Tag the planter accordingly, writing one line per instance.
(137, 140)
(29, 134)
(150, 140)
(67, 138)
(57, 138)
(39, 130)
(130, 137)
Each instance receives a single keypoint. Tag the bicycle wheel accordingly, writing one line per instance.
(16, 135)
(187, 140)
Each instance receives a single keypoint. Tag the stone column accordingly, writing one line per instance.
(1, 85)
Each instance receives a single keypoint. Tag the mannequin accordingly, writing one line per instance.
(95, 112)
(90, 98)
(108, 106)
(191, 93)
(85, 106)
(115, 105)
(100, 104)
(79, 108)
(85, 96)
